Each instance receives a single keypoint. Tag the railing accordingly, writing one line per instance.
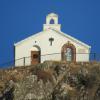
(24, 61)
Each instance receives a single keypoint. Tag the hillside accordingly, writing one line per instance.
(51, 80)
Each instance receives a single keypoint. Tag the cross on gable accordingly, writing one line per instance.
(51, 40)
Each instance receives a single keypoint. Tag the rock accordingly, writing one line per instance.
(30, 96)
(51, 81)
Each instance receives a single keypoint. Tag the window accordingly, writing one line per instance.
(35, 56)
(68, 54)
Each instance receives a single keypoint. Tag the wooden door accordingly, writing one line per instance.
(35, 57)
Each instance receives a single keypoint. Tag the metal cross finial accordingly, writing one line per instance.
(51, 40)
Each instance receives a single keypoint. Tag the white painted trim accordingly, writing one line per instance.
(72, 38)
(28, 38)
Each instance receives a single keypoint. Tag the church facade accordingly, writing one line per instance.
(50, 44)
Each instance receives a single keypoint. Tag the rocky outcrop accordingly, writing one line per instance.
(51, 81)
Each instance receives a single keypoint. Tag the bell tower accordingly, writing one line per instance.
(52, 22)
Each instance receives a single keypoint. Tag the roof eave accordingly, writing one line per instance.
(82, 43)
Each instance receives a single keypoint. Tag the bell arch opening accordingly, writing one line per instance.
(52, 21)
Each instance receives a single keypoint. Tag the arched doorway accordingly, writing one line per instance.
(35, 55)
(68, 52)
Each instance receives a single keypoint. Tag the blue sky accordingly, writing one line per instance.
(22, 18)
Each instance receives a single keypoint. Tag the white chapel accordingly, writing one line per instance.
(50, 44)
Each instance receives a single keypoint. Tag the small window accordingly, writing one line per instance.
(35, 41)
(35, 56)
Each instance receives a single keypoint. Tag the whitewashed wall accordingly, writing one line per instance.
(42, 40)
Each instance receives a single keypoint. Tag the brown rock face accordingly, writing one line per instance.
(51, 81)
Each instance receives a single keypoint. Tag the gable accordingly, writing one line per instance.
(57, 32)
